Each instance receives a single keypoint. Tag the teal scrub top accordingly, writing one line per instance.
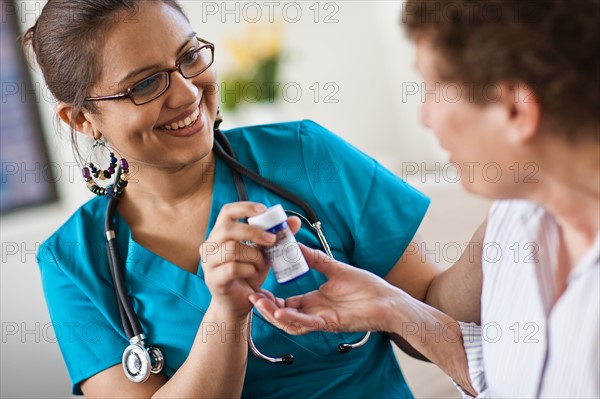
(369, 217)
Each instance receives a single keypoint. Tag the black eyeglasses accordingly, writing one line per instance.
(189, 65)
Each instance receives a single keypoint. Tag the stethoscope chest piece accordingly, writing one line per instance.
(138, 362)
(135, 363)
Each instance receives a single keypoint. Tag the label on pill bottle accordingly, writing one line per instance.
(285, 256)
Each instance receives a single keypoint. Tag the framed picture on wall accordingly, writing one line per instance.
(27, 178)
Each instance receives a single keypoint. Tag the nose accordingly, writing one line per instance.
(182, 92)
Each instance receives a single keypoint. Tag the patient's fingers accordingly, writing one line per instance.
(265, 306)
(293, 302)
(321, 262)
(299, 323)
(278, 301)
(267, 295)
(312, 300)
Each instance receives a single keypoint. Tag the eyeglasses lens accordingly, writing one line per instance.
(191, 65)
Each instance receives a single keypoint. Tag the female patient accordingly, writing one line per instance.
(528, 72)
(136, 78)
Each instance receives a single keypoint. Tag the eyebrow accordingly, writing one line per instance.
(155, 66)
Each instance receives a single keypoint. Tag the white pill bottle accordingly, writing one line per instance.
(285, 256)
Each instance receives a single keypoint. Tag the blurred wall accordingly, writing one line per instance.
(354, 56)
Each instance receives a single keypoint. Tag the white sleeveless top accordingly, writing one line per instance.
(526, 348)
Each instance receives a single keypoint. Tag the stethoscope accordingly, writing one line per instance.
(139, 361)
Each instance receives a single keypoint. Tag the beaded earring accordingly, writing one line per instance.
(91, 173)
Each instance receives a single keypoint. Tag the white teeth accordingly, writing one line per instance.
(184, 122)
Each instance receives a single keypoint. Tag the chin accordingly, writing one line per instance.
(200, 152)
(492, 191)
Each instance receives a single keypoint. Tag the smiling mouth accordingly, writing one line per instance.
(183, 123)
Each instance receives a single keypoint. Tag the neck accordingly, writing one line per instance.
(170, 189)
(569, 188)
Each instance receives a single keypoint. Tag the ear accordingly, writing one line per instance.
(81, 122)
(523, 112)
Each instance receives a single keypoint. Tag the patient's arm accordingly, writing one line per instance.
(353, 299)
(407, 348)
(457, 291)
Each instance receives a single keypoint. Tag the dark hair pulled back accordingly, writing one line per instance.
(67, 40)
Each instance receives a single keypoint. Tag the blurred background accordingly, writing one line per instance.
(344, 64)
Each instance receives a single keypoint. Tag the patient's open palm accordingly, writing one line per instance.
(351, 300)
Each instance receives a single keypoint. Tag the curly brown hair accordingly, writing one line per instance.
(552, 46)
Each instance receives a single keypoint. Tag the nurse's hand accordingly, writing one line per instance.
(351, 300)
(232, 270)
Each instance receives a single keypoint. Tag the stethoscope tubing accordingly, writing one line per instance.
(225, 152)
(129, 319)
(229, 159)
(131, 323)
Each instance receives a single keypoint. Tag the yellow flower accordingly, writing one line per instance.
(259, 42)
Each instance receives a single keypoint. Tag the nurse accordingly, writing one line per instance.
(177, 223)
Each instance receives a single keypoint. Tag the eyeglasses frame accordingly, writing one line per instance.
(177, 67)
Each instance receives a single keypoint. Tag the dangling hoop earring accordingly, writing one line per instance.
(91, 173)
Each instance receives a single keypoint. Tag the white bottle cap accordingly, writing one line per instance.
(270, 218)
